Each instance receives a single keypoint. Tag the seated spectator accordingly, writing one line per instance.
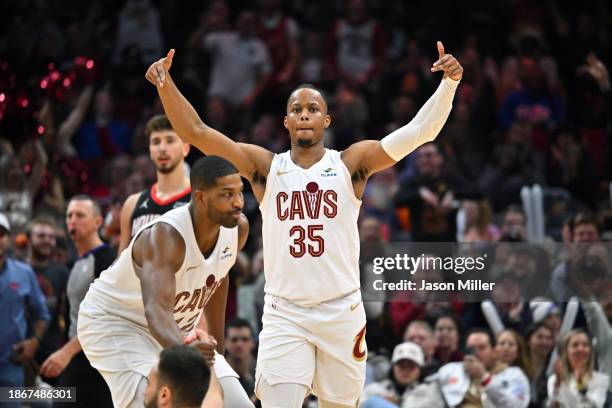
(511, 350)
(407, 360)
(482, 380)
(446, 336)
(540, 342)
(181, 379)
(575, 382)
(420, 332)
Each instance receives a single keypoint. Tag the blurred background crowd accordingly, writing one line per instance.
(534, 108)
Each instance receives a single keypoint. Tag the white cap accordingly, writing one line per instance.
(4, 222)
(541, 308)
(408, 351)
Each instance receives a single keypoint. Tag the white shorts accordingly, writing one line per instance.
(124, 352)
(321, 347)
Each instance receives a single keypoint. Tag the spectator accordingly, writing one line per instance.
(446, 337)
(139, 26)
(482, 380)
(22, 307)
(420, 333)
(540, 342)
(240, 63)
(52, 278)
(83, 218)
(430, 197)
(514, 226)
(281, 34)
(575, 382)
(585, 229)
(356, 47)
(407, 360)
(18, 190)
(545, 311)
(511, 350)
(103, 136)
(239, 346)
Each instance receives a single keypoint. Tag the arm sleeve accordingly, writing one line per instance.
(425, 126)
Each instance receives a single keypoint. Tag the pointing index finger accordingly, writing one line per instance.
(170, 55)
(440, 49)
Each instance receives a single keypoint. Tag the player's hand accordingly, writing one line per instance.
(204, 343)
(447, 63)
(55, 364)
(156, 74)
(24, 350)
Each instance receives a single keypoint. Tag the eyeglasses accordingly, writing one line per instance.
(238, 338)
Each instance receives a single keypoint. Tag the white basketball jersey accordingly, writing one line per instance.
(118, 291)
(310, 236)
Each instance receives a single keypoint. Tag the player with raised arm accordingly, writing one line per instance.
(313, 336)
(171, 279)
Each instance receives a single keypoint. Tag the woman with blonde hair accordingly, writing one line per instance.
(575, 382)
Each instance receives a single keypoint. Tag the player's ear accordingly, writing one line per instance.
(164, 397)
(186, 148)
(198, 195)
(285, 122)
(327, 120)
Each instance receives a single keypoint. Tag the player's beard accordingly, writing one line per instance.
(221, 218)
(168, 169)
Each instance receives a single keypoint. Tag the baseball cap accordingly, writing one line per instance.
(408, 351)
(541, 308)
(4, 222)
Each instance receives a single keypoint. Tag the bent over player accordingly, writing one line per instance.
(314, 322)
(171, 277)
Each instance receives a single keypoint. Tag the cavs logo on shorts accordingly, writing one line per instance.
(359, 349)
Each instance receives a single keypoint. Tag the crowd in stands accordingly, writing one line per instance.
(534, 108)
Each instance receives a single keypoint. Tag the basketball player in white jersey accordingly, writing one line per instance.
(172, 189)
(314, 321)
(170, 279)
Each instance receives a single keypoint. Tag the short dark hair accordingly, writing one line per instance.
(185, 371)
(585, 218)
(40, 220)
(207, 170)
(84, 197)
(308, 86)
(239, 323)
(157, 123)
(481, 330)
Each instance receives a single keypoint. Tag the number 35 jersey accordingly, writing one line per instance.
(310, 236)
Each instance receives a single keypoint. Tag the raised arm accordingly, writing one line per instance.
(253, 162)
(370, 156)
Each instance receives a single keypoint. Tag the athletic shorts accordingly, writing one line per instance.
(321, 347)
(124, 352)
